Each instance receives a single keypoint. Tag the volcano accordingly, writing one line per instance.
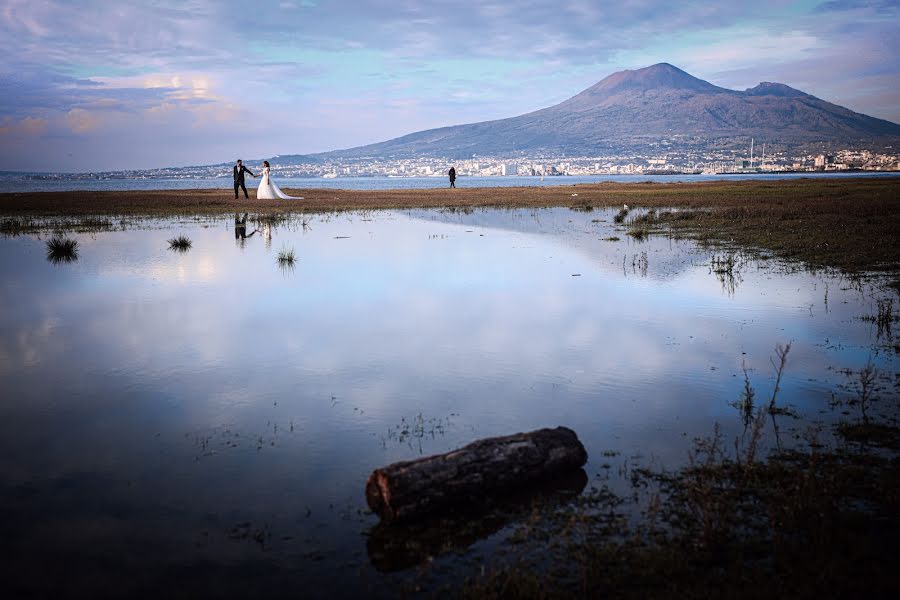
(638, 110)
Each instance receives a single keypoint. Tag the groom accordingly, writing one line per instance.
(239, 170)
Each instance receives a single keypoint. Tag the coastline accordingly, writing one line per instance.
(850, 224)
(602, 194)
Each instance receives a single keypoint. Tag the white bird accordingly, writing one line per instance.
(624, 207)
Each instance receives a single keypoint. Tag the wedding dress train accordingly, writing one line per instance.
(269, 191)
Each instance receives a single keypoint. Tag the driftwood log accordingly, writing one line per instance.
(398, 546)
(413, 488)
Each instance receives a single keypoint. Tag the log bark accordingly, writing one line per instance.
(409, 489)
(396, 546)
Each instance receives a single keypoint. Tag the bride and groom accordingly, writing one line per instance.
(267, 189)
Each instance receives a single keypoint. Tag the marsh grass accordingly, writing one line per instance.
(723, 264)
(819, 221)
(640, 263)
(726, 268)
(875, 434)
(648, 218)
(884, 317)
(781, 352)
(811, 521)
(639, 233)
(286, 259)
(62, 250)
(865, 390)
(14, 226)
(620, 216)
(745, 404)
(181, 243)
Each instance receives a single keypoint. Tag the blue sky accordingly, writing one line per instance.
(96, 85)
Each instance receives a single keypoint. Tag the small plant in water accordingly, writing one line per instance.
(620, 216)
(61, 249)
(723, 265)
(781, 352)
(727, 270)
(286, 258)
(181, 243)
(885, 317)
(638, 233)
(866, 388)
(745, 404)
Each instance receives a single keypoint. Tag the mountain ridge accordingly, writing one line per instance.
(637, 110)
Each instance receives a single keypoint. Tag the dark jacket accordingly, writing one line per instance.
(239, 173)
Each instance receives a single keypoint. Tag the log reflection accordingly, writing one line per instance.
(394, 547)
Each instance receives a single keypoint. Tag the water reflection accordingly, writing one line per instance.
(727, 269)
(176, 406)
(394, 547)
(62, 250)
(240, 229)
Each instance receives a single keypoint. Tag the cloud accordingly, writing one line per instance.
(82, 121)
(281, 72)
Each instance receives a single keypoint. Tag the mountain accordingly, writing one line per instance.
(641, 109)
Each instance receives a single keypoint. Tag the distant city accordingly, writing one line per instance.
(708, 162)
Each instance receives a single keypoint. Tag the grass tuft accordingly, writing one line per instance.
(181, 243)
(286, 258)
(884, 318)
(639, 233)
(60, 250)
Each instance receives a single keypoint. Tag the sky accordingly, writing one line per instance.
(100, 85)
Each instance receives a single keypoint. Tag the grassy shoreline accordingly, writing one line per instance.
(849, 224)
(804, 522)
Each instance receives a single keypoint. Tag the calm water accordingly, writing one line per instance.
(207, 420)
(24, 182)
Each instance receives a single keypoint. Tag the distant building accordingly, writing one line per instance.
(823, 160)
(509, 169)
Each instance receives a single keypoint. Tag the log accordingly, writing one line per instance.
(398, 546)
(409, 489)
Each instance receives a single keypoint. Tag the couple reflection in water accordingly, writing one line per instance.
(240, 231)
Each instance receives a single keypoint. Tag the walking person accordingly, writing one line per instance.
(239, 170)
(452, 174)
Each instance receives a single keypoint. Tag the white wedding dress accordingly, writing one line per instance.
(269, 191)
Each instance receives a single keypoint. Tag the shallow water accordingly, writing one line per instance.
(209, 418)
(60, 182)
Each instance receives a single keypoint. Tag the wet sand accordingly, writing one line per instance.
(852, 224)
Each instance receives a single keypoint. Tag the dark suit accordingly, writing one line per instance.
(239, 180)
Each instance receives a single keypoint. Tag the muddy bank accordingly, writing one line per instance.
(851, 224)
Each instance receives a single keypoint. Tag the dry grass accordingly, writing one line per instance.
(851, 224)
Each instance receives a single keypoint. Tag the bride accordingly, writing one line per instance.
(268, 190)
